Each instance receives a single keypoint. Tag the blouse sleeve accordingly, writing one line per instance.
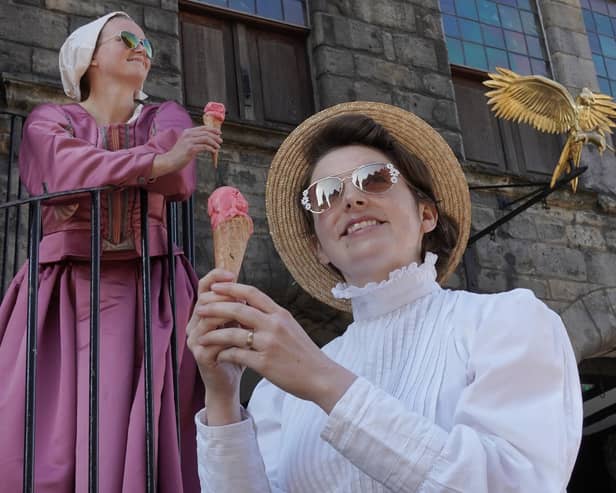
(517, 425)
(52, 158)
(231, 458)
(170, 121)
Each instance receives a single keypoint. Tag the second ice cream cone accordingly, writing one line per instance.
(211, 121)
(213, 117)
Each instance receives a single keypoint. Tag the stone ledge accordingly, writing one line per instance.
(22, 92)
(268, 137)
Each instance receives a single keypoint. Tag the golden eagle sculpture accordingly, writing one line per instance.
(548, 106)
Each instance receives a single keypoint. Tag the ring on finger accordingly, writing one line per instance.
(250, 339)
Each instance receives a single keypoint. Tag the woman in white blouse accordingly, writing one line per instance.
(428, 390)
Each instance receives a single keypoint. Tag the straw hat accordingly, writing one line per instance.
(288, 226)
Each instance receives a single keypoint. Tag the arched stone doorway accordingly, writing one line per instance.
(591, 324)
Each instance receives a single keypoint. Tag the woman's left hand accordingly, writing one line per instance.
(281, 351)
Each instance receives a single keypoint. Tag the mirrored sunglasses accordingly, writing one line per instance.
(131, 41)
(371, 178)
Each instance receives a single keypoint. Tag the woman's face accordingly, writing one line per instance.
(366, 236)
(112, 58)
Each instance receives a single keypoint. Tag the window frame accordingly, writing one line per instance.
(250, 23)
(611, 82)
(540, 34)
(256, 20)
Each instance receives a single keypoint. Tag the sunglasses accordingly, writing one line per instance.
(374, 178)
(131, 41)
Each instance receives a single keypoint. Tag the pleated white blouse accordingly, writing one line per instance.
(457, 392)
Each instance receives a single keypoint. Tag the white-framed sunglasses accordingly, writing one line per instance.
(373, 178)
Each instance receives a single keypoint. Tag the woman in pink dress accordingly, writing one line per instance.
(107, 137)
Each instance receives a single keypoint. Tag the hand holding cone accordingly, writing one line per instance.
(213, 117)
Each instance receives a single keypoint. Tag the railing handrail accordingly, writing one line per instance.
(53, 195)
(19, 114)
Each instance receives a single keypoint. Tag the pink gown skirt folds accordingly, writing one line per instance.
(62, 373)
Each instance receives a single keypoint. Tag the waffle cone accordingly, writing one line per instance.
(210, 121)
(230, 240)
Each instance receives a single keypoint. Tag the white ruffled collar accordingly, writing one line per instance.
(404, 286)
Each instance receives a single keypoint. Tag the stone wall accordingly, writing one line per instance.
(388, 51)
(383, 50)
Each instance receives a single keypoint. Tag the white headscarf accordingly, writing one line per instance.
(76, 54)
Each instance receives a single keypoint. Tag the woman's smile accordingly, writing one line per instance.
(360, 226)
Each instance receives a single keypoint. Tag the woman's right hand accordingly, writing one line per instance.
(192, 141)
(221, 380)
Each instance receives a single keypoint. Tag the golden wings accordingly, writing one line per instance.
(548, 106)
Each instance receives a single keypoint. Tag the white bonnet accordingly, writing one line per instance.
(76, 54)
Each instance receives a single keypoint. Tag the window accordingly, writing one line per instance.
(600, 20)
(249, 54)
(482, 35)
(291, 11)
(505, 33)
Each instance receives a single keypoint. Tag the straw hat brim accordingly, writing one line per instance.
(288, 227)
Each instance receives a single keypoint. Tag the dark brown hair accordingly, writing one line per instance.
(357, 129)
(84, 87)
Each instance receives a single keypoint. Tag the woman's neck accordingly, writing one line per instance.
(110, 105)
(373, 271)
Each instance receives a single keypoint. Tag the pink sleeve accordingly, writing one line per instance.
(170, 120)
(50, 155)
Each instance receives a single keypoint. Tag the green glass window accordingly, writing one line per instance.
(600, 20)
(291, 11)
(493, 36)
(485, 34)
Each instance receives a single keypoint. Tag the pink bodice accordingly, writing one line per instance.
(64, 149)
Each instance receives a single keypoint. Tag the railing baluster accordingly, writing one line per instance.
(172, 208)
(188, 221)
(18, 212)
(31, 340)
(147, 345)
(174, 340)
(5, 239)
(95, 261)
(15, 131)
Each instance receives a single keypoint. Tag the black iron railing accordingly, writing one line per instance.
(95, 259)
(180, 223)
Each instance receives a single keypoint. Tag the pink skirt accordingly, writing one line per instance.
(61, 430)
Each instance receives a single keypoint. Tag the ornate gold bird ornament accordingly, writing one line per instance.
(548, 106)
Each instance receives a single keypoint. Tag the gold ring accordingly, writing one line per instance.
(250, 338)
